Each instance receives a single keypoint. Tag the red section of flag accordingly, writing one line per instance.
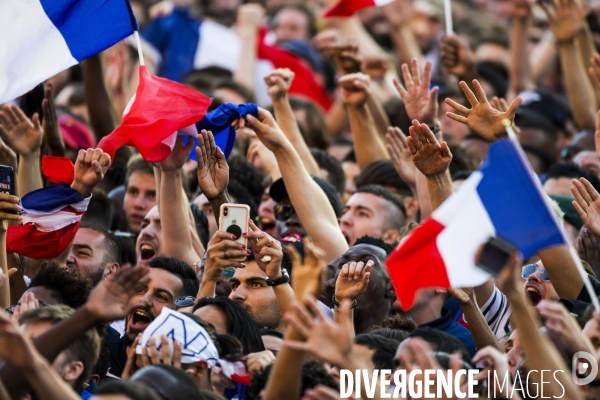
(161, 107)
(58, 169)
(305, 83)
(27, 241)
(417, 264)
(347, 8)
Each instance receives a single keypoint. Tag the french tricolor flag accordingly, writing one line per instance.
(41, 38)
(502, 199)
(347, 8)
(51, 217)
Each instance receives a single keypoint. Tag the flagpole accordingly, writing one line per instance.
(136, 34)
(572, 252)
(448, 15)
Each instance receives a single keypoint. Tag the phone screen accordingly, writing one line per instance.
(7, 182)
(494, 255)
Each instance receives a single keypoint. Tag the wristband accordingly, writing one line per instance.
(337, 305)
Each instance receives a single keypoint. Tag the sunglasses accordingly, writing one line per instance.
(531, 269)
(185, 301)
(283, 211)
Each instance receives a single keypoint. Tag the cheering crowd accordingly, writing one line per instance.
(365, 125)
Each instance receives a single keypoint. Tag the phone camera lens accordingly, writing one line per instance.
(225, 211)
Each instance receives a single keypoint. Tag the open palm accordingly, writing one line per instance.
(21, 133)
(213, 171)
(587, 204)
(429, 156)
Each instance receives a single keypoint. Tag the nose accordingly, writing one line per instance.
(293, 221)
(238, 295)
(345, 221)
(535, 277)
(146, 299)
(70, 258)
(140, 202)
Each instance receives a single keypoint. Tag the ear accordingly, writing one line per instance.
(411, 205)
(95, 378)
(391, 236)
(111, 269)
(390, 292)
(197, 370)
(72, 371)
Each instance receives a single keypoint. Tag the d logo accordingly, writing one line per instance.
(589, 368)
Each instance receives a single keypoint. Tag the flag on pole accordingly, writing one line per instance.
(51, 217)
(499, 200)
(347, 8)
(159, 109)
(41, 38)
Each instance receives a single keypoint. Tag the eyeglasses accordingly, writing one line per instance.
(185, 301)
(283, 211)
(531, 269)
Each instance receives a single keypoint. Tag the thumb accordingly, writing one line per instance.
(36, 121)
(255, 124)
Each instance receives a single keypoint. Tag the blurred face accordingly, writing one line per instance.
(249, 288)
(351, 170)
(287, 222)
(364, 353)
(149, 241)
(161, 291)
(513, 353)
(330, 276)
(227, 95)
(202, 202)
(425, 30)
(536, 287)
(558, 186)
(592, 330)
(266, 222)
(291, 24)
(140, 197)
(452, 129)
(45, 295)
(215, 316)
(364, 214)
(87, 254)
(272, 343)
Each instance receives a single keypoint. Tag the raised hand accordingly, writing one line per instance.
(27, 302)
(462, 295)
(429, 156)
(558, 320)
(52, 135)
(522, 8)
(213, 171)
(15, 347)
(588, 248)
(7, 155)
(353, 280)
(178, 156)
(587, 204)
(250, 16)
(223, 251)
(266, 129)
(257, 361)
(278, 83)
(347, 58)
(307, 276)
(326, 340)
(493, 361)
(401, 157)
(90, 167)
(482, 118)
(267, 251)
(420, 101)
(8, 202)
(355, 89)
(457, 57)
(22, 134)
(109, 299)
(566, 18)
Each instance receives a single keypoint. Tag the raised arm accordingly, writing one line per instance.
(53, 140)
(7, 202)
(278, 84)
(458, 59)
(173, 206)
(368, 143)
(315, 211)
(520, 69)
(567, 21)
(249, 18)
(24, 136)
(398, 15)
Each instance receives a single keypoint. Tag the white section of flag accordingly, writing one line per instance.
(381, 3)
(51, 222)
(80, 206)
(47, 53)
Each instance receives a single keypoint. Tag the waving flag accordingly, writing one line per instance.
(51, 217)
(158, 110)
(347, 8)
(501, 200)
(41, 38)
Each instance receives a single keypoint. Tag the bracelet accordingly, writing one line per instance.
(336, 304)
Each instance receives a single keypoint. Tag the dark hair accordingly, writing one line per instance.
(313, 374)
(462, 159)
(86, 348)
(567, 169)
(399, 321)
(271, 332)
(395, 220)
(112, 250)
(240, 195)
(103, 363)
(395, 334)
(126, 251)
(133, 390)
(201, 224)
(335, 172)
(250, 177)
(68, 286)
(384, 349)
(312, 20)
(370, 240)
(315, 131)
(137, 164)
(461, 175)
(228, 346)
(99, 211)
(396, 113)
(444, 358)
(442, 341)
(188, 276)
(234, 86)
(239, 323)
(181, 385)
(382, 173)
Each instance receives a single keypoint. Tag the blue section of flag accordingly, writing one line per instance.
(51, 198)
(219, 121)
(514, 202)
(90, 26)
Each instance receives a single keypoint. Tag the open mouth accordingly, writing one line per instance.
(139, 320)
(266, 224)
(347, 238)
(147, 252)
(534, 295)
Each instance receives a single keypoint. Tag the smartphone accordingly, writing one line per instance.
(494, 255)
(7, 183)
(234, 219)
(31, 102)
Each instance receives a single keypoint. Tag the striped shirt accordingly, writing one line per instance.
(497, 313)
